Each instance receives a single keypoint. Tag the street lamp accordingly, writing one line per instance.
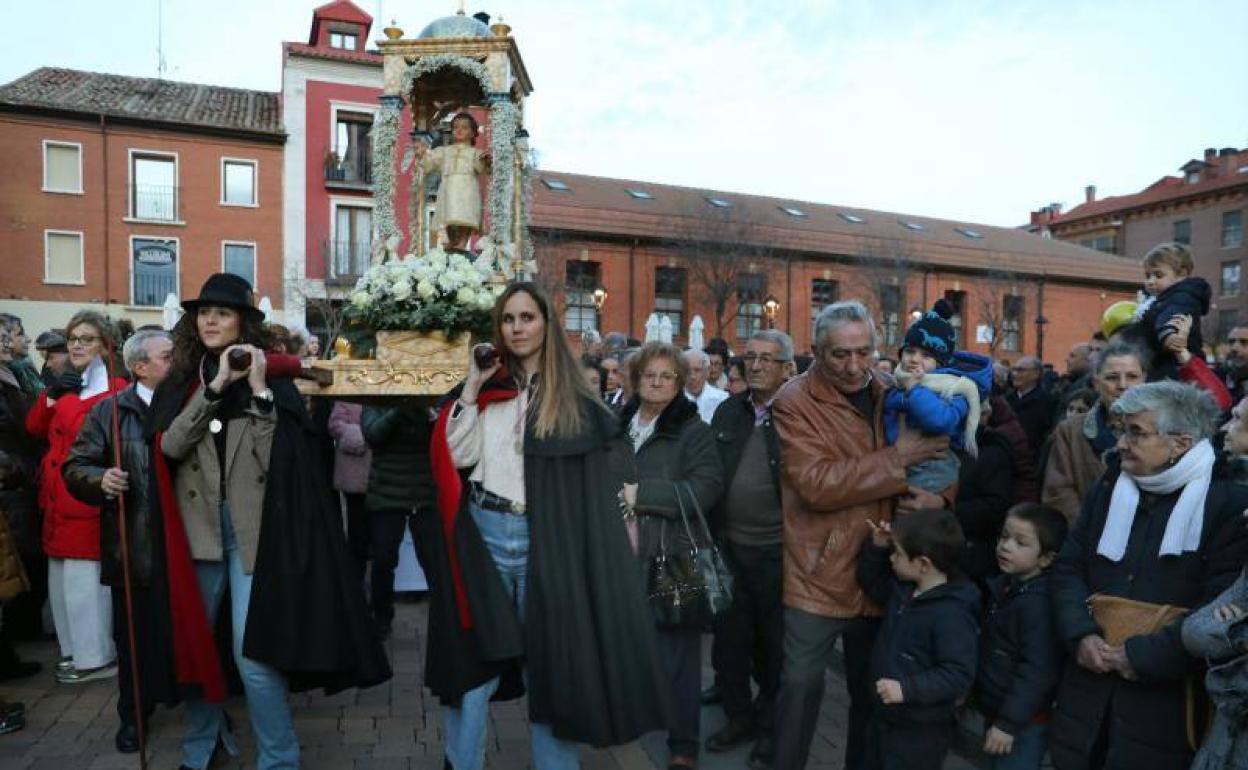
(772, 306)
(600, 298)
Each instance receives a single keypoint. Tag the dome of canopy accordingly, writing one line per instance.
(458, 25)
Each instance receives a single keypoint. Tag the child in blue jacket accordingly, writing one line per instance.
(939, 392)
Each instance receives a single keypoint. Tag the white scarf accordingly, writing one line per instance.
(1192, 474)
(94, 379)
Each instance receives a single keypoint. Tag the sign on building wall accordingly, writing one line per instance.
(155, 270)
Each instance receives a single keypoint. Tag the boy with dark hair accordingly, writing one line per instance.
(924, 656)
(1020, 655)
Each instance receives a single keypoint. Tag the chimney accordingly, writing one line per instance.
(1089, 194)
(1211, 154)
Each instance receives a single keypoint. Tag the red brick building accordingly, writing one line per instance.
(330, 90)
(1204, 206)
(651, 248)
(119, 191)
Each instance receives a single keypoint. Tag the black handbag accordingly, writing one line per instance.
(688, 586)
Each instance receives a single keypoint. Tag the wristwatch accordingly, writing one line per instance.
(265, 395)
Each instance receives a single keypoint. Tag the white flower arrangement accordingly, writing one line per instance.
(440, 290)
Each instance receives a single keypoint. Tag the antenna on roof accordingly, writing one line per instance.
(160, 39)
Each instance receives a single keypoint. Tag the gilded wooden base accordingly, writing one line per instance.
(406, 364)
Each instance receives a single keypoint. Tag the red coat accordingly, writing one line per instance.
(71, 530)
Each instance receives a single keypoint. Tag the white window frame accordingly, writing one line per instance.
(130, 262)
(58, 143)
(177, 178)
(336, 107)
(255, 182)
(82, 258)
(255, 259)
(336, 202)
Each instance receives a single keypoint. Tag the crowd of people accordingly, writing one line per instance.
(1063, 556)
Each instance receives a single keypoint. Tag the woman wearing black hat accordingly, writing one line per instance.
(233, 438)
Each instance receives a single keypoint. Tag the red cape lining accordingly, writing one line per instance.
(450, 491)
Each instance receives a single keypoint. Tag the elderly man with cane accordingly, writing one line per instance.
(110, 466)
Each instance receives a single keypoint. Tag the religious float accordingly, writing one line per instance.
(430, 290)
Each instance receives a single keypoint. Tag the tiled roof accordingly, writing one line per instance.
(146, 99)
(597, 205)
(334, 54)
(1165, 189)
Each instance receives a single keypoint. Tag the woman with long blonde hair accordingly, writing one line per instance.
(532, 560)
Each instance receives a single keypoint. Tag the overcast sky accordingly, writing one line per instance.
(965, 109)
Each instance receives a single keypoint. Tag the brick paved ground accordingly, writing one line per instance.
(396, 726)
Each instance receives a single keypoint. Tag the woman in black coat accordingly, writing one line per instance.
(1159, 529)
(676, 465)
(532, 566)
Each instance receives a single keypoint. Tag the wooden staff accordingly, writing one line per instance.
(135, 679)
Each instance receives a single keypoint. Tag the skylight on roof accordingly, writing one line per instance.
(556, 185)
(969, 233)
(853, 219)
(718, 203)
(639, 194)
(915, 226)
(792, 211)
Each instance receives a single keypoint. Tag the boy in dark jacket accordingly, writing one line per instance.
(924, 656)
(1020, 656)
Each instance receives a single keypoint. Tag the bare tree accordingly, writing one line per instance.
(325, 303)
(991, 293)
(886, 265)
(718, 245)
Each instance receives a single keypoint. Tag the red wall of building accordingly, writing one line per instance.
(320, 140)
(100, 212)
(1073, 311)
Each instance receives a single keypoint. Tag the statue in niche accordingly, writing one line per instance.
(457, 216)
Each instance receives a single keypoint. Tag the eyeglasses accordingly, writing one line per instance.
(765, 359)
(1133, 435)
(659, 376)
(82, 339)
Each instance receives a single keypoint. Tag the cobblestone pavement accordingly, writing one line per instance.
(396, 726)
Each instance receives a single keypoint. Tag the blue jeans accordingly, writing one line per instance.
(934, 475)
(276, 744)
(1030, 744)
(507, 538)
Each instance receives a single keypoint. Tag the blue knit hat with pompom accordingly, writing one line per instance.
(933, 333)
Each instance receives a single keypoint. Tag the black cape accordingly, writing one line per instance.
(307, 617)
(588, 641)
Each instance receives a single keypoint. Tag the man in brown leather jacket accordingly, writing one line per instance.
(837, 474)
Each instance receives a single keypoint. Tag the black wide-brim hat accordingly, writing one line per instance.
(225, 290)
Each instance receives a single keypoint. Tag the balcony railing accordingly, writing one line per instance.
(345, 261)
(155, 202)
(348, 172)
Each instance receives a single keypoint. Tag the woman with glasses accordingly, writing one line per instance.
(533, 585)
(81, 606)
(1160, 534)
(676, 465)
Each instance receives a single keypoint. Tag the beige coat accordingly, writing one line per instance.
(249, 440)
(1073, 466)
